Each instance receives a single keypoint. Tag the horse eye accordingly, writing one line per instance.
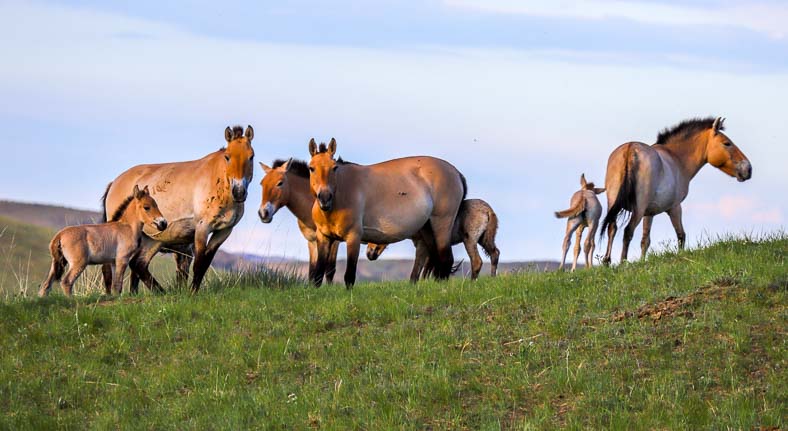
(227, 158)
(279, 184)
(147, 208)
(728, 144)
(334, 168)
(311, 169)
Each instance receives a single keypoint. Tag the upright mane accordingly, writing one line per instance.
(297, 167)
(121, 209)
(685, 129)
(238, 132)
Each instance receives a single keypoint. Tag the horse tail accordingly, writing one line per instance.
(625, 198)
(573, 211)
(488, 237)
(104, 203)
(58, 260)
(464, 185)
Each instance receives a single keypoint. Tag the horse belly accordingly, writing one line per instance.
(397, 223)
(664, 196)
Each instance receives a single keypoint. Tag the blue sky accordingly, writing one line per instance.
(522, 96)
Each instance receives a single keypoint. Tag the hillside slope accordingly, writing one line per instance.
(694, 340)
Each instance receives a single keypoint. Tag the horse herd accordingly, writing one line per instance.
(190, 208)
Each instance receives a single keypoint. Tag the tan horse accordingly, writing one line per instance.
(476, 223)
(649, 180)
(113, 243)
(286, 184)
(202, 199)
(584, 212)
(383, 203)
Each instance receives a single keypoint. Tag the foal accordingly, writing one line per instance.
(476, 224)
(584, 212)
(115, 242)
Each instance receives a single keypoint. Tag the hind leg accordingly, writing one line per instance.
(646, 241)
(74, 271)
(678, 226)
(629, 232)
(106, 274)
(420, 261)
(55, 272)
(571, 225)
(590, 244)
(476, 260)
(182, 263)
(578, 243)
(120, 270)
(611, 235)
(139, 268)
(442, 230)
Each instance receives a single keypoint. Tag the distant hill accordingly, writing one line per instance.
(27, 228)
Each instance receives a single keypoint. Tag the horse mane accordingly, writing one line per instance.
(685, 129)
(121, 209)
(300, 168)
(297, 167)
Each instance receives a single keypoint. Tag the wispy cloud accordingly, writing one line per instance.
(765, 17)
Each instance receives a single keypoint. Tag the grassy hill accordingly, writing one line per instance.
(694, 340)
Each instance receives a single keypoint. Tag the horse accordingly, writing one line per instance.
(383, 203)
(584, 212)
(476, 223)
(202, 199)
(286, 184)
(113, 243)
(649, 180)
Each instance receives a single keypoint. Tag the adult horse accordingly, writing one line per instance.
(649, 180)
(382, 204)
(202, 201)
(286, 184)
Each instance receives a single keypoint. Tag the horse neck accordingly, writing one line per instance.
(132, 219)
(300, 199)
(690, 153)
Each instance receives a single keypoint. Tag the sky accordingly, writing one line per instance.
(521, 96)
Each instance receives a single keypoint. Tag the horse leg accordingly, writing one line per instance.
(353, 240)
(442, 230)
(675, 219)
(139, 269)
(106, 274)
(611, 234)
(590, 244)
(420, 260)
(578, 243)
(571, 224)
(646, 241)
(74, 270)
(204, 252)
(312, 247)
(120, 270)
(476, 260)
(55, 273)
(331, 267)
(324, 245)
(182, 263)
(629, 232)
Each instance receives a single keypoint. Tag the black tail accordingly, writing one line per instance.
(464, 185)
(625, 199)
(104, 204)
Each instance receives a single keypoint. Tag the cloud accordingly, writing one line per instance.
(737, 208)
(766, 18)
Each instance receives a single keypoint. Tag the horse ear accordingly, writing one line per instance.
(598, 190)
(249, 133)
(265, 167)
(583, 182)
(145, 191)
(136, 192)
(289, 164)
(332, 147)
(312, 147)
(228, 134)
(718, 125)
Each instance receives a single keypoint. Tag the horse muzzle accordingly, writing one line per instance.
(372, 253)
(160, 224)
(743, 171)
(266, 213)
(325, 200)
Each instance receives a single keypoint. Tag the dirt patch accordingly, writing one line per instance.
(674, 306)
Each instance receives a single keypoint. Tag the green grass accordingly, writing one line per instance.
(527, 351)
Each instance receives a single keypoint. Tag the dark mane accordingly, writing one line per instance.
(341, 161)
(237, 132)
(297, 167)
(685, 129)
(121, 209)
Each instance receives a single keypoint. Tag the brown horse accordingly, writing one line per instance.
(113, 243)
(584, 212)
(202, 199)
(476, 223)
(383, 203)
(286, 184)
(649, 180)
